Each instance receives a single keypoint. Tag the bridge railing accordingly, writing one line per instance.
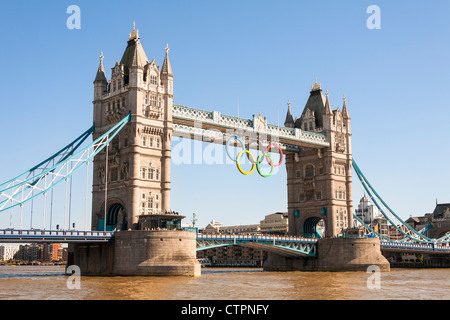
(414, 246)
(201, 236)
(55, 233)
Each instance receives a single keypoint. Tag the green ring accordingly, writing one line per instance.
(258, 162)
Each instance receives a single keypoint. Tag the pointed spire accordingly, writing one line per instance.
(327, 109)
(344, 109)
(101, 76)
(134, 54)
(166, 68)
(289, 122)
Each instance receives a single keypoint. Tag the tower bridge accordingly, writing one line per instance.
(135, 119)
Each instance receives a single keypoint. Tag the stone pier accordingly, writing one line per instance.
(139, 253)
(334, 254)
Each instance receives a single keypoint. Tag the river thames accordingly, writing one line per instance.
(50, 283)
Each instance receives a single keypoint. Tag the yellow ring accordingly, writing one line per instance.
(239, 166)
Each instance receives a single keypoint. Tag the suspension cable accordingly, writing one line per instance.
(106, 185)
(86, 196)
(70, 196)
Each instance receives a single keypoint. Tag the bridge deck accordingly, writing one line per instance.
(212, 126)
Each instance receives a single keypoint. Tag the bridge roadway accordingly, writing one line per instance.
(289, 246)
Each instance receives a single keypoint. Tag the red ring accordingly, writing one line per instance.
(281, 155)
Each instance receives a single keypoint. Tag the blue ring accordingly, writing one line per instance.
(228, 145)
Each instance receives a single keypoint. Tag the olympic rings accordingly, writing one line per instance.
(259, 161)
(239, 165)
(252, 160)
(269, 160)
(228, 145)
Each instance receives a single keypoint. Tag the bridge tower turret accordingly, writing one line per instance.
(319, 180)
(136, 175)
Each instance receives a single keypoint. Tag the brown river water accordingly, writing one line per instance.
(50, 283)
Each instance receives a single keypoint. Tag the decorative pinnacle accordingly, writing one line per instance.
(315, 86)
(135, 32)
(167, 48)
(101, 57)
(326, 93)
(344, 98)
(289, 103)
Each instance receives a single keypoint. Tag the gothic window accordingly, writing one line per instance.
(157, 142)
(321, 170)
(157, 174)
(150, 173)
(309, 171)
(144, 141)
(114, 174)
(153, 79)
(153, 100)
(144, 173)
(150, 142)
(302, 197)
(319, 195)
(299, 174)
(309, 195)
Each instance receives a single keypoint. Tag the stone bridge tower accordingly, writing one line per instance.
(319, 181)
(138, 175)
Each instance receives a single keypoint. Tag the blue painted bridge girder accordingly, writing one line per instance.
(286, 246)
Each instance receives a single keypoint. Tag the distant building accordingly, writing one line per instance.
(418, 223)
(215, 227)
(233, 255)
(275, 223)
(45, 252)
(7, 252)
(29, 252)
(212, 227)
(366, 210)
(381, 226)
(57, 251)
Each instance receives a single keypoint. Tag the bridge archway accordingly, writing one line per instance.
(314, 227)
(115, 217)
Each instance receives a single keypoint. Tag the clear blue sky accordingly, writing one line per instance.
(396, 80)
